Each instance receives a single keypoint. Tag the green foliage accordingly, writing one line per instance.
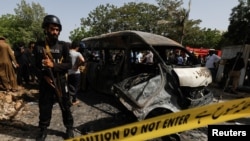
(167, 19)
(25, 25)
(78, 34)
(206, 38)
(238, 29)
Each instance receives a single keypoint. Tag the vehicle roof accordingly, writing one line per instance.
(129, 37)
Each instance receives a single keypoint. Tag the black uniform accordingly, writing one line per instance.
(23, 69)
(62, 62)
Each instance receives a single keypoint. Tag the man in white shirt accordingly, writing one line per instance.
(74, 75)
(139, 57)
(211, 61)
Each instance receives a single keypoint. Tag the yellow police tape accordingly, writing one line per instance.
(173, 123)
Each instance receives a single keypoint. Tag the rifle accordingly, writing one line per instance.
(51, 80)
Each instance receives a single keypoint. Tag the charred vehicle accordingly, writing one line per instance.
(146, 88)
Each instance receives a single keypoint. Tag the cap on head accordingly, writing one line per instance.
(51, 19)
(211, 51)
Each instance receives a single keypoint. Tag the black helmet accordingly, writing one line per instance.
(51, 19)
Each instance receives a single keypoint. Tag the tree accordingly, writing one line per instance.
(131, 16)
(179, 27)
(78, 34)
(177, 15)
(238, 29)
(167, 19)
(209, 38)
(98, 20)
(29, 19)
(25, 25)
(5, 24)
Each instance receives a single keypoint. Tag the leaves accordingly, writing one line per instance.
(238, 29)
(25, 25)
(168, 18)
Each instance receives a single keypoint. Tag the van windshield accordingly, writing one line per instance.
(177, 56)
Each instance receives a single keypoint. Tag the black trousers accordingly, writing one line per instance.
(74, 81)
(23, 74)
(47, 98)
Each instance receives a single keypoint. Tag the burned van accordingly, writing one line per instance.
(150, 74)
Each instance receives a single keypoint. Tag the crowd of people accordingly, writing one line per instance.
(17, 66)
(232, 69)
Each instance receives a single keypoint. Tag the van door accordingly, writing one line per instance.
(109, 69)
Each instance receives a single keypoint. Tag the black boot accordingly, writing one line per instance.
(42, 135)
(69, 133)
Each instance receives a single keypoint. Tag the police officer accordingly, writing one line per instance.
(53, 61)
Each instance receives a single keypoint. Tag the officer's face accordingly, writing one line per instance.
(53, 31)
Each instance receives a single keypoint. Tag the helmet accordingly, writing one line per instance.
(51, 19)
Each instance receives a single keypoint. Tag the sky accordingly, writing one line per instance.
(213, 13)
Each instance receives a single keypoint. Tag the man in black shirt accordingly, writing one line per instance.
(53, 59)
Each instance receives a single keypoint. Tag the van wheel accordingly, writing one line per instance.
(158, 112)
(172, 137)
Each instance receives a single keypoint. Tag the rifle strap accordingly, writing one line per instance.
(49, 81)
(51, 57)
(48, 51)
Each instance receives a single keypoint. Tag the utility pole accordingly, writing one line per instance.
(183, 20)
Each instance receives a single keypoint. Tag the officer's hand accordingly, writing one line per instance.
(48, 62)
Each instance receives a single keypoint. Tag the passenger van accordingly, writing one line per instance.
(168, 80)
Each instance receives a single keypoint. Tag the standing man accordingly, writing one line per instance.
(211, 63)
(32, 63)
(23, 61)
(74, 74)
(235, 65)
(53, 61)
(7, 72)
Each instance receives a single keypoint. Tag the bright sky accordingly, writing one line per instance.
(213, 13)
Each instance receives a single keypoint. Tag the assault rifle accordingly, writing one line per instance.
(51, 80)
